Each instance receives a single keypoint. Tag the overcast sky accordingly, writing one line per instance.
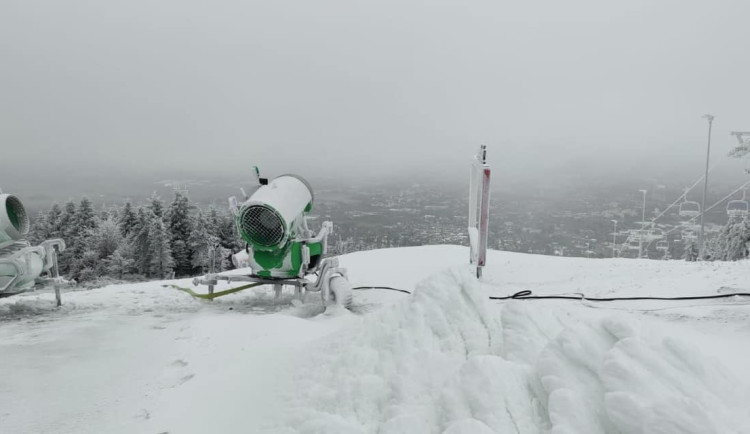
(367, 87)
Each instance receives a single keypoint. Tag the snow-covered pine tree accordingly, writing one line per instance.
(105, 238)
(140, 242)
(156, 205)
(66, 231)
(214, 220)
(83, 222)
(732, 240)
(127, 219)
(105, 213)
(734, 243)
(222, 226)
(199, 241)
(223, 258)
(67, 220)
(179, 227)
(85, 217)
(121, 261)
(40, 229)
(88, 266)
(718, 244)
(53, 221)
(161, 255)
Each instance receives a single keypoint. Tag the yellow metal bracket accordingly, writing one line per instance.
(215, 294)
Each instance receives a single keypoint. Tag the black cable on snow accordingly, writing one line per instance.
(383, 287)
(528, 295)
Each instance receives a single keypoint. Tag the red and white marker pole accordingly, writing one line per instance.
(479, 209)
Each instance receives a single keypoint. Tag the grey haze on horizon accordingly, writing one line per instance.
(139, 89)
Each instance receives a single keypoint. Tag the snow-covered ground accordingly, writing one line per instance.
(141, 358)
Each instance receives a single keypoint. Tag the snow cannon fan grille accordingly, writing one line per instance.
(262, 226)
(17, 215)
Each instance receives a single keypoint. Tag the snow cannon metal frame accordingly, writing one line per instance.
(281, 249)
(22, 266)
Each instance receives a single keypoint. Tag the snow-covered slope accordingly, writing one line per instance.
(143, 358)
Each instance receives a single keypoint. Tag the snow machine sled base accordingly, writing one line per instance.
(331, 282)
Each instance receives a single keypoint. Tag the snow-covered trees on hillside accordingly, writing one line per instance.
(180, 227)
(160, 254)
(120, 262)
(156, 205)
(139, 239)
(200, 241)
(733, 242)
(65, 230)
(132, 241)
(127, 219)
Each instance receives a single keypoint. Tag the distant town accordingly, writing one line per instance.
(558, 220)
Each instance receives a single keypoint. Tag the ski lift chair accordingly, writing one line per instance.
(656, 234)
(690, 208)
(737, 209)
(662, 245)
(633, 243)
(689, 235)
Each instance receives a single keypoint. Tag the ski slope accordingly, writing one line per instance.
(143, 358)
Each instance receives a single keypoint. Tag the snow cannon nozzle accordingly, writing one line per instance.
(14, 221)
(275, 212)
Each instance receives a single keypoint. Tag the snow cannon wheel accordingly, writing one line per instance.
(338, 292)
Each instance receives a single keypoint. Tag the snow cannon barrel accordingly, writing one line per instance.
(269, 219)
(14, 222)
(23, 269)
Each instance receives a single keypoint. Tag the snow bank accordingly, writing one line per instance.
(448, 360)
(429, 364)
(143, 358)
(609, 376)
(389, 373)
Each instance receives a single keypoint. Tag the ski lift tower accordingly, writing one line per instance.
(643, 226)
(479, 209)
(701, 246)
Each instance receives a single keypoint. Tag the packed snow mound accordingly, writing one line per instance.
(388, 372)
(443, 361)
(608, 376)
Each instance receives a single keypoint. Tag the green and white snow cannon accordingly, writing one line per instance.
(281, 249)
(22, 266)
(273, 223)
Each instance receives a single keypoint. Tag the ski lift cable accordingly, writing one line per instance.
(723, 199)
(684, 194)
(712, 206)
